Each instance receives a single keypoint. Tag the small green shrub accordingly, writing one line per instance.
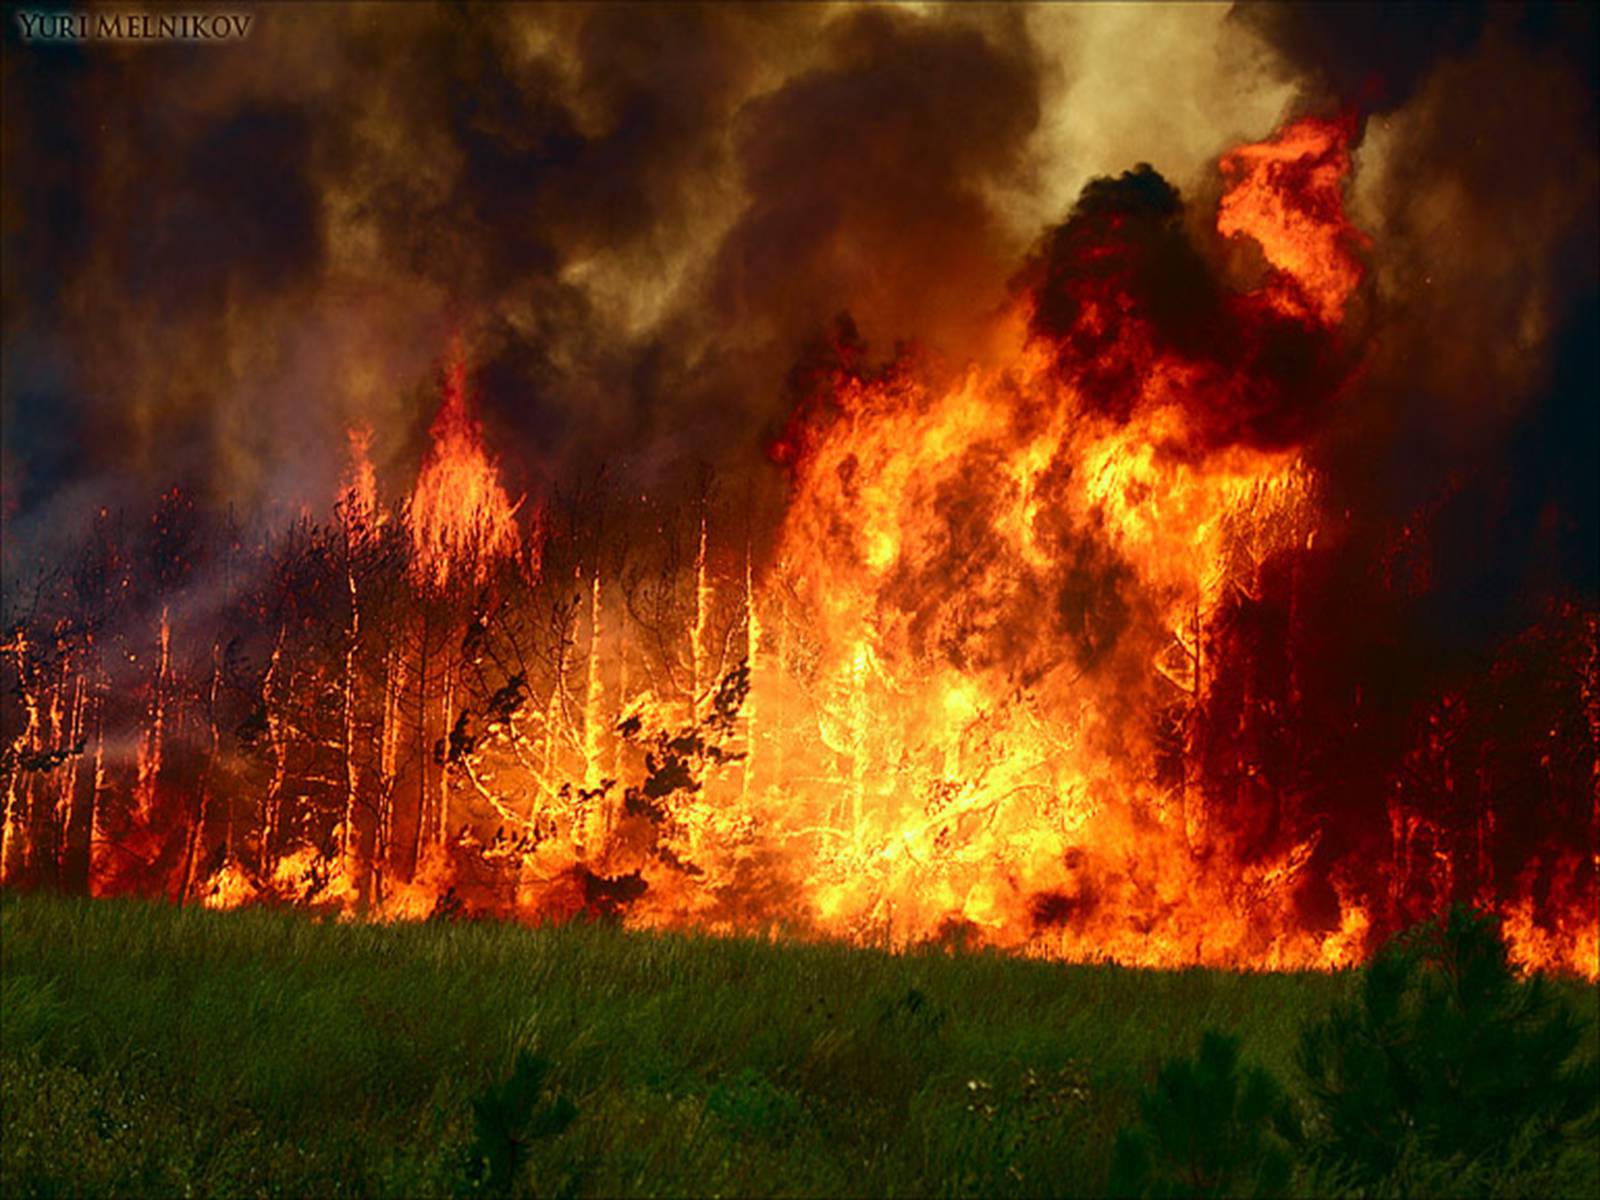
(1208, 1127)
(1446, 1057)
(507, 1118)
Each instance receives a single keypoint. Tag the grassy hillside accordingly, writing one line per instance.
(151, 1050)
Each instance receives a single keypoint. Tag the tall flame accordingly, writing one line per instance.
(359, 495)
(973, 566)
(460, 517)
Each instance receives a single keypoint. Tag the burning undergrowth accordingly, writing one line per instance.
(1094, 642)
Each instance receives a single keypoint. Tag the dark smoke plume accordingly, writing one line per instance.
(220, 256)
(638, 217)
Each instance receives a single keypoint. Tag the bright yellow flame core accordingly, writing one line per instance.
(957, 738)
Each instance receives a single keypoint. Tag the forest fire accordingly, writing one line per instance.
(460, 517)
(1042, 652)
(1286, 194)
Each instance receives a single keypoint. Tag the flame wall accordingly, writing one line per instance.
(798, 535)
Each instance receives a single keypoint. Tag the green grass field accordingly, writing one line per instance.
(150, 1050)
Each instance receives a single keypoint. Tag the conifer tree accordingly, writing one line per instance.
(508, 1118)
(1209, 1127)
(1445, 1056)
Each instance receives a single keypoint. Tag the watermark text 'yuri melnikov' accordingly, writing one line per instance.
(39, 26)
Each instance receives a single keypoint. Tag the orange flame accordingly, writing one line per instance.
(979, 595)
(359, 494)
(968, 698)
(965, 561)
(460, 517)
(1287, 194)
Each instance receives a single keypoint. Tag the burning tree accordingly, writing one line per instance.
(1037, 654)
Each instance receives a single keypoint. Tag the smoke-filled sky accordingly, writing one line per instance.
(218, 256)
